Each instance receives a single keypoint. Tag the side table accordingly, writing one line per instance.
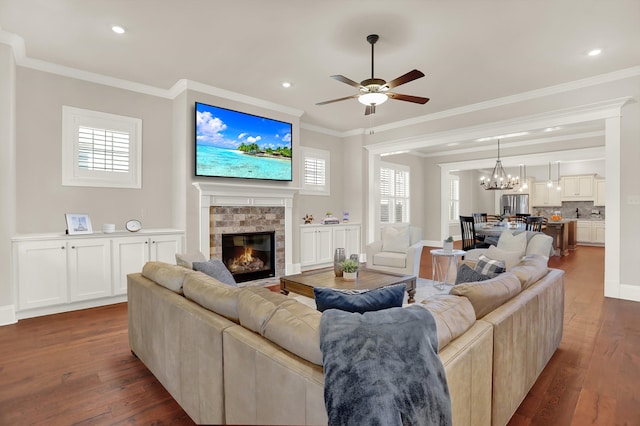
(439, 276)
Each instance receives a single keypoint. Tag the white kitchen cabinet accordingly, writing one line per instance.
(316, 245)
(590, 231)
(577, 188)
(347, 237)
(546, 196)
(56, 273)
(601, 192)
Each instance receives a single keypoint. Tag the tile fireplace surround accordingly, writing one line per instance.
(230, 204)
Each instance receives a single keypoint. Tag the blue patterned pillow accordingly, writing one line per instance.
(466, 274)
(216, 269)
(359, 301)
(489, 267)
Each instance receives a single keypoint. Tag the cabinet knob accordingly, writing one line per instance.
(153, 242)
(146, 242)
(73, 247)
(62, 247)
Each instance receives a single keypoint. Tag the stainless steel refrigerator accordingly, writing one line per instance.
(516, 203)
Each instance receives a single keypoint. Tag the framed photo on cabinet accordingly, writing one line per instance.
(78, 224)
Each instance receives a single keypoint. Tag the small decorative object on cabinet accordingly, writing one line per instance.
(78, 224)
(345, 217)
(447, 244)
(133, 225)
(338, 258)
(308, 218)
(350, 269)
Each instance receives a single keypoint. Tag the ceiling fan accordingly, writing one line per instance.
(375, 91)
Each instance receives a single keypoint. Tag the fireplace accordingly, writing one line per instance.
(249, 255)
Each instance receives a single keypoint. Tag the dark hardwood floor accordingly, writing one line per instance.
(76, 368)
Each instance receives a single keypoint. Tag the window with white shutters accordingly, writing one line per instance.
(454, 198)
(315, 172)
(394, 193)
(100, 149)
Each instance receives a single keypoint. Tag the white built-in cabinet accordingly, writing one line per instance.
(577, 188)
(319, 242)
(546, 196)
(601, 192)
(57, 273)
(590, 231)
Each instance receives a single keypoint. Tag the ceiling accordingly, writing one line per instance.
(471, 51)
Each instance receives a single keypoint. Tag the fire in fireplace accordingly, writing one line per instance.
(250, 255)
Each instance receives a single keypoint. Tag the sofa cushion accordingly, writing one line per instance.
(396, 238)
(489, 267)
(257, 304)
(212, 295)
(531, 269)
(485, 296)
(514, 242)
(540, 244)
(166, 275)
(215, 269)
(510, 258)
(467, 274)
(395, 260)
(186, 259)
(359, 300)
(296, 327)
(454, 316)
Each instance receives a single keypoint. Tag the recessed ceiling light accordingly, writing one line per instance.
(594, 52)
(552, 129)
(286, 84)
(509, 135)
(118, 29)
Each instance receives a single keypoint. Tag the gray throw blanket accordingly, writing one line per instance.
(382, 368)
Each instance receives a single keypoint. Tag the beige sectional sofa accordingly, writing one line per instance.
(251, 356)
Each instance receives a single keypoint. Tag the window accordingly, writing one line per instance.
(100, 149)
(454, 198)
(315, 172)
(394, 193)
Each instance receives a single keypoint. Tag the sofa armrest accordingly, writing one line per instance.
(373, 248)
(413, 258)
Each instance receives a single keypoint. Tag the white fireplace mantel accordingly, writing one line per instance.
(234, 195)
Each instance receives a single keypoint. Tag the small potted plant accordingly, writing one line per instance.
(349, 269)
(447, 244)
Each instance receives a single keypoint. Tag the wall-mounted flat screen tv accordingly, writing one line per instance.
(235, 144)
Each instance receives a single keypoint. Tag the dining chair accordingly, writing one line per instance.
(534, 223)
(469, 237)
(479, 218)
(521, 217)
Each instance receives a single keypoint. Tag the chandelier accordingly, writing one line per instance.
(499, 179)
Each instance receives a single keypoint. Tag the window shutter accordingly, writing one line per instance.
(314, 171)
(103, 150)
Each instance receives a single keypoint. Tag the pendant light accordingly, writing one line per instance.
(549, 182)
(523, 173)
(499, 179)
(558, 187)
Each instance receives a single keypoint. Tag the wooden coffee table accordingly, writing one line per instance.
(367, 280)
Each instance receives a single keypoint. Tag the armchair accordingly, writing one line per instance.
(398, 251)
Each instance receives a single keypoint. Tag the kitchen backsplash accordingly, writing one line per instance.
(585, 209)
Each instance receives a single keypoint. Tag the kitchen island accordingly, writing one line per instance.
(563, 233)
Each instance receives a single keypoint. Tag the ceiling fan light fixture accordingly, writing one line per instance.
(372, 98)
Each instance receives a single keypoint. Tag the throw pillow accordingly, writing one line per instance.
(489, 267)
(510, 258)
(215, 269)
(396, 239)
(488, 295)
(187, 259)
(359, 301)
(513, 242)
(467, 274)
(540, 244)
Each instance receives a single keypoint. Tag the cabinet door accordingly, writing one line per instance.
(598, 232)
(583, 231)
(352, 245)
(308, 246)
(41, 274)
(554, 197)
(129, 256)
(163, 248)
(541, 194)
(570, 186)
(585, 186)
(601, 195)
(89, 268)
(324, 243)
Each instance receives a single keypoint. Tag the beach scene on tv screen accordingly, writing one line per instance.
(234, 144)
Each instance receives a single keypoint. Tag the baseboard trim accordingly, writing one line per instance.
(630, 292)
(68, 307)
(7, 315)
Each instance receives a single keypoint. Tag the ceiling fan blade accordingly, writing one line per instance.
(408, 98)
(369, 109)
(337, 100)
(346, 80)
(410, 76)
